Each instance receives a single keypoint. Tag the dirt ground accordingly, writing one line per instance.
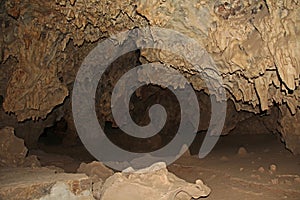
(239, 167)
(265, 171)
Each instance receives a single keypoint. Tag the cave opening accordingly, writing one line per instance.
(55, 134)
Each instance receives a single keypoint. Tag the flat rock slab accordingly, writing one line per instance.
(28, 183)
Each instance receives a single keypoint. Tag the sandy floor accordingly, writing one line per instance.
(266, 171)
(246, 176)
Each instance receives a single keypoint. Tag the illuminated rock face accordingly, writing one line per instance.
(255, 45)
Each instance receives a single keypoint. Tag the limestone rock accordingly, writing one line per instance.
(254, 44)
(39, 43)
(95, 169)
(12, 149)
(158, 184)
(62, 191)
(290, 129)
(43, 183)
(246, 41)
(13, 152)
(98, 173)
(30, 130)
(273, 168)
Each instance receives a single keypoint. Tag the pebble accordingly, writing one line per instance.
(274, 181)
(242, 151)
(224, 158)
(261, 170)
(273, 168)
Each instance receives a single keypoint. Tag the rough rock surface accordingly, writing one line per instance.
(44, 184)
(13, 151)
(255, 45)
(98, 173)
(151, 184)
(62, 191)
(290, 129)
(96, 170)
(30, 130)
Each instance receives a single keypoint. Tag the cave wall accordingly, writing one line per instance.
(254, 43)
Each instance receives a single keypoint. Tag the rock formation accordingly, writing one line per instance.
(254, 43)
(13, 152)
(43, 184)
(152, 184)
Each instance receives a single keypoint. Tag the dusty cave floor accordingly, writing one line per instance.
(230, 175)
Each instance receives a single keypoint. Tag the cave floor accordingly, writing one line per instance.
(233, 175)
(265, 171)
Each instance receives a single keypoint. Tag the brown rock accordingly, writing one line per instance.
(261, 170)
(157, 184)
(242, 152)
(26, 183)
(32, 161)
(273, 168)
(12, 149)
(97, 189)
(290, 129)
(258, 65)
(96, 170)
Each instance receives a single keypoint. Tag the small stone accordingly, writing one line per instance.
(261, 170)
(273, 168)
(187, 154)
(241, 169)
(242, 152)
(224, 158)
(274, 181)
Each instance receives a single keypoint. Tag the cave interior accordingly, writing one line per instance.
(254, 46)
